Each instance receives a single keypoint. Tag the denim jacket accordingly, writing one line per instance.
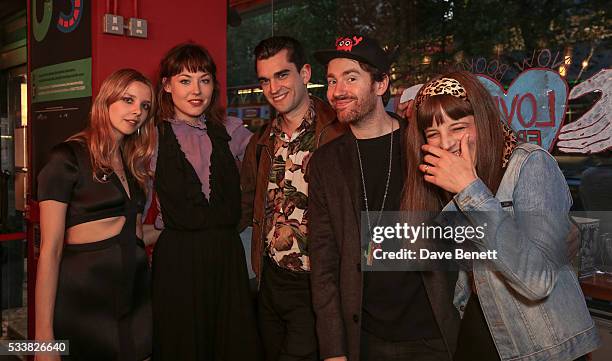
(529, 295)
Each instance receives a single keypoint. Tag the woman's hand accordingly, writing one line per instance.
(447, 170)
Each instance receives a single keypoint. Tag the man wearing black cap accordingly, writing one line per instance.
(369, 315)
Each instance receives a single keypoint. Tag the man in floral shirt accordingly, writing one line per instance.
(275, 198)
(286, 216)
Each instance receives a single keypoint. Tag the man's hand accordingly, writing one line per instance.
(405, 106)
(405, 109)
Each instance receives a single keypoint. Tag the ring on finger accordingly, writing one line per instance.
(426, 169)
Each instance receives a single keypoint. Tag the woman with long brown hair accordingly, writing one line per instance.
(202, 308)
(93, 279)
(525, 303)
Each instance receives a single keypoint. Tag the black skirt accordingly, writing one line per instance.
(103, 305)
(201, 301)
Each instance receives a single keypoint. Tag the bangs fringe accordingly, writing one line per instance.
(191, 59)
(430, 110)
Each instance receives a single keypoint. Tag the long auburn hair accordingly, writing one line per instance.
(193, 58)
(419, 195)
(137, 149)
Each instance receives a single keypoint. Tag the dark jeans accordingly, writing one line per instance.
(374, 348)
(286, 318)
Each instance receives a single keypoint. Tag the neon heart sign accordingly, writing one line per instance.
(534, 104)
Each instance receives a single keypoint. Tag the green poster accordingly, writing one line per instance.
(67, 80)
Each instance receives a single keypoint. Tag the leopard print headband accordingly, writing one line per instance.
(441, 86)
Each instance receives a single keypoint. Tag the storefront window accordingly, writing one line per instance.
(546, 62)
(311, 22)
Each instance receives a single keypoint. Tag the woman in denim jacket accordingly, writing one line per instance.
(527, 303)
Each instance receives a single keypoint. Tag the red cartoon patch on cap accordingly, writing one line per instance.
(346, 44)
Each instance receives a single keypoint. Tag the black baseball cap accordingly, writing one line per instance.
(356, 47)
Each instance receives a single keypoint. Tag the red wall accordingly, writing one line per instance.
(169, 23)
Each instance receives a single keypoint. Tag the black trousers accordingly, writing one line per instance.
(374, 348)
(286, 318)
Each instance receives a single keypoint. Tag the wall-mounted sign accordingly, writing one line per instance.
(60, 78)
(71, 79)
(61, 50)
(68, 22)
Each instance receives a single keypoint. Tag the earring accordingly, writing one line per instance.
(138, 131)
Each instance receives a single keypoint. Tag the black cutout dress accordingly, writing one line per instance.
(103, 299)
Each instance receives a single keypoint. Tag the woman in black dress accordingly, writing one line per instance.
(201, 303)
(93, 280)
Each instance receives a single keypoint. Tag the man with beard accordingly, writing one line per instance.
(275, 198)
(369, 315)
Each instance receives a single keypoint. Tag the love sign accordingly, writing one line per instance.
(534, 104)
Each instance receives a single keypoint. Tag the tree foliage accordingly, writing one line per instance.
(431, 36)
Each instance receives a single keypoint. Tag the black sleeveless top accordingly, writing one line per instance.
(67, 177)
(183, 205)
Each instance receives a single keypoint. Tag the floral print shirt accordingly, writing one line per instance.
(287, 202)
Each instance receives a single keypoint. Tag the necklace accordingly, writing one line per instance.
(369, 252)
(121, 177)
(119, 171)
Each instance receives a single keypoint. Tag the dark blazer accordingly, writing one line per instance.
(334, 208)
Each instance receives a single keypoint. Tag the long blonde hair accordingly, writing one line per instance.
(137, 149)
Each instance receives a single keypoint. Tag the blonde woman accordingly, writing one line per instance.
(93, 280)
